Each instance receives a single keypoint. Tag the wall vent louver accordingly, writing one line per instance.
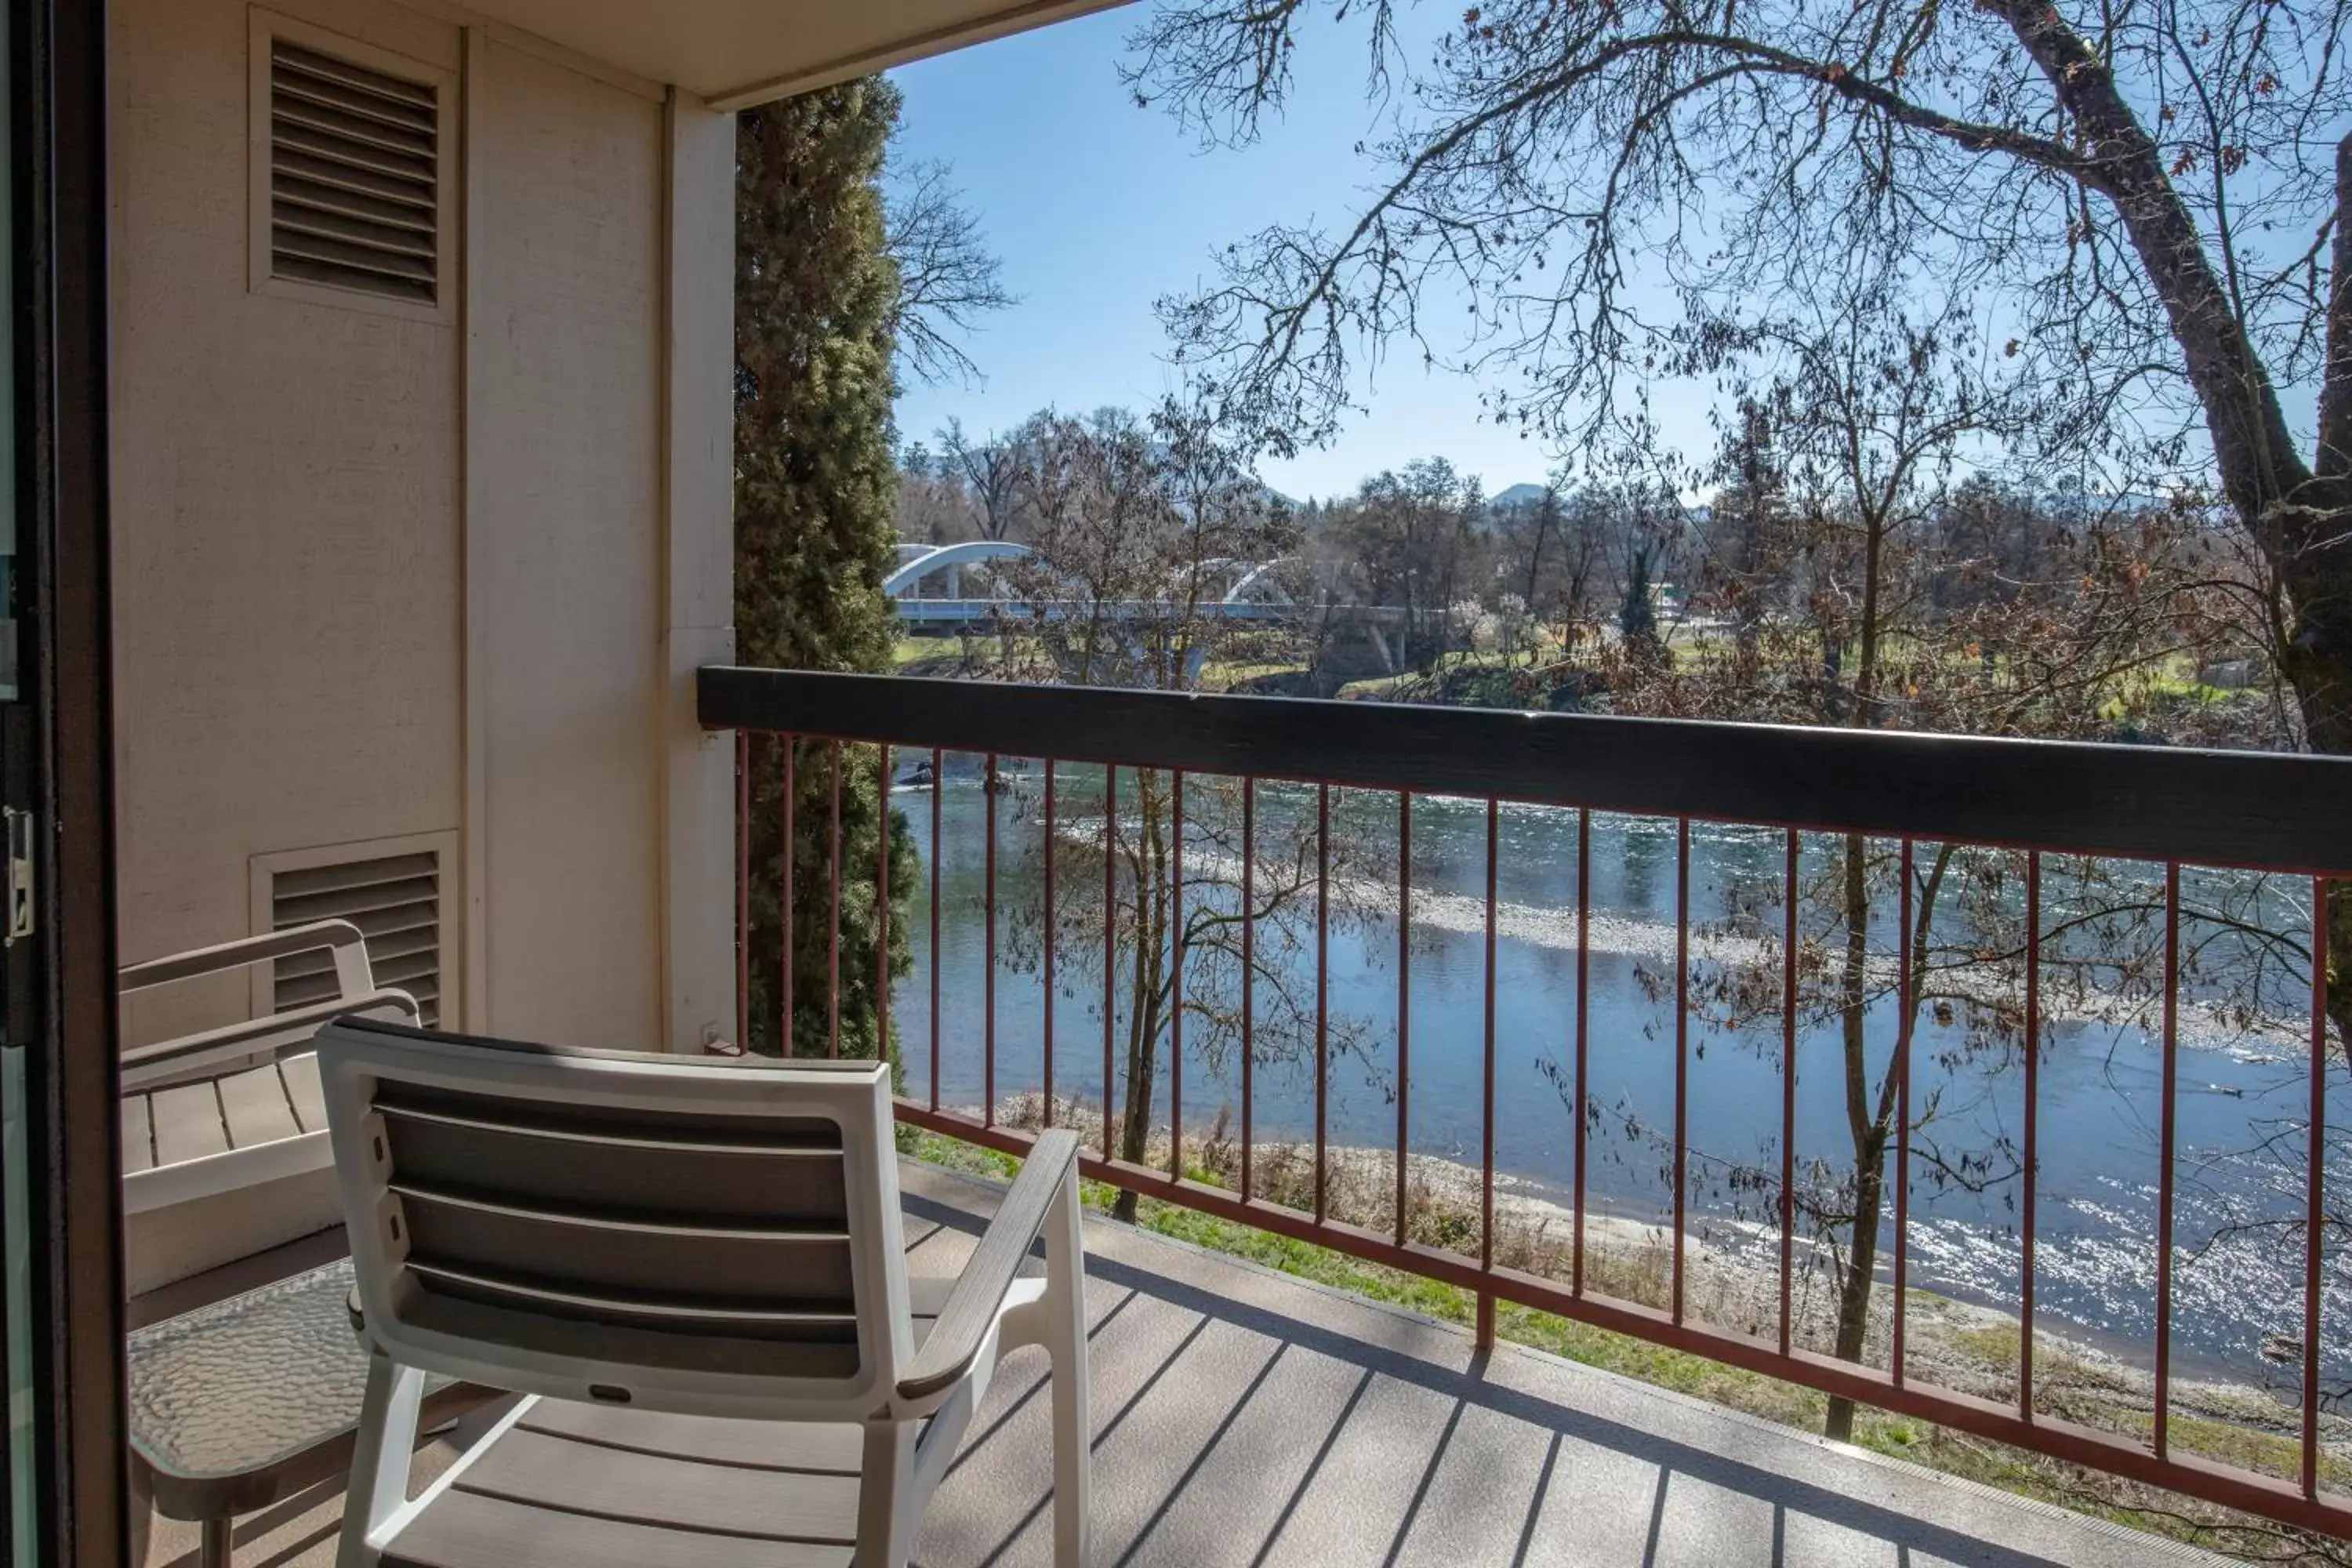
(355, 176)
(394, 899)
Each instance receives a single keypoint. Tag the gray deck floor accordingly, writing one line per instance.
(1242, 1417)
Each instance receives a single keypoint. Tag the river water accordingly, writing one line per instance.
(2243, 1096)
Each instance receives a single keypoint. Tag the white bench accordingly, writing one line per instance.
(231, 1109)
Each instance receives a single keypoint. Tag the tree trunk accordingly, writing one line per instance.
(1144, 997)
(2299, 515)
(1861, 1271)
(1867, 1132)
(1135, 1114)
(2318, 662)
(1535, 556)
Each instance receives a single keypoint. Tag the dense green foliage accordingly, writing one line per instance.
(815, 298)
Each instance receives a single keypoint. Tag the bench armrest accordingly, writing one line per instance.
(350, 947)
(957, 1337)
(272, 1032)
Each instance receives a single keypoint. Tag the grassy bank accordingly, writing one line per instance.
(1963, 1347)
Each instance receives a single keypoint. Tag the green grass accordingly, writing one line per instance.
(914, 650)
(1224, 675)
(2173, 682)
(1996, 1346)
(948, 654)
(1382, 688)
(1790, 1404)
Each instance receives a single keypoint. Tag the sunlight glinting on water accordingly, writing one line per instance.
(2237, 1276)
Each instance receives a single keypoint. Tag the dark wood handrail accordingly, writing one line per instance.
(2258, 810)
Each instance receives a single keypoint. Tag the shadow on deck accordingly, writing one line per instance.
(1242, 1417)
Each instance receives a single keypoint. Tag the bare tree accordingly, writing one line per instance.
(1131, 517)
(2152, 188)
(1551, 548)
(991, 471)
(948, 276)
(1406, 535)
(933, 506)
(1872, 397)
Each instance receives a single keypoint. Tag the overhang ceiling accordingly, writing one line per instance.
(735, 52)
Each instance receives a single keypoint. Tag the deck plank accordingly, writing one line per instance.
(302, 1074)
(187, 1122)
(253, 1105)
(925, 1296)
(1246, 1420)
(687, 1496)
(138, 1136)
(469, 1530)
(754, 1444)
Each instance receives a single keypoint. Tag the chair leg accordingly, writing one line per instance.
(1065, 1343)
(386, 1439)
(888, 1508)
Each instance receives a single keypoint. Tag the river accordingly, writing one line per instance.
(2100, 1076)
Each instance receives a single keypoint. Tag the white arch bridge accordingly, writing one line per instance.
(1231, 590)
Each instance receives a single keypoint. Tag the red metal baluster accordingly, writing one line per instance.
(2316, 1220)
(743, 890)
(1176, 982)
(1682, 1052)
(1404, 1001)
(882, 904)
(1902, 980)
(939, 788)
(1485, 1325)
(790, 746)
(1048, 967)
(1110, 943)
(1322, 982)
(1583, 1034)
(832, 935)
(1789, 1102)
(2161, 1434)
(2032, 1174)
(1249, 970)
(987, 981)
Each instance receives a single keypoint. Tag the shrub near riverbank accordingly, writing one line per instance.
(1952, 1344)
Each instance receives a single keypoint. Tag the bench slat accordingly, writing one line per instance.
(253, 1105)
(188, 1124)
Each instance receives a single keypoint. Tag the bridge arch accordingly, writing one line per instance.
(1259, 580)
(901, 584)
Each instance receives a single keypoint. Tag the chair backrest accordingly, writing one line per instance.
(687, 1234)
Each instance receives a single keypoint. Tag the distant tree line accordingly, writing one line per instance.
(1848, 553)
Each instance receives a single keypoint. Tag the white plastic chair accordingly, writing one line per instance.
(695, 1271)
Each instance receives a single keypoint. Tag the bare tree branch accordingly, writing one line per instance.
(948, 276)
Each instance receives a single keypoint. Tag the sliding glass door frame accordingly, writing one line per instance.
(57, 917)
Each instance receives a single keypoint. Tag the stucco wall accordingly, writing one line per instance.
(564, 423)
(377, 576)
(286, 524)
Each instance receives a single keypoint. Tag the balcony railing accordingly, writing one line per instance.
(2223, 854)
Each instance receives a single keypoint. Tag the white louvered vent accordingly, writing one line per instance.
(396, 900)
(355, 176)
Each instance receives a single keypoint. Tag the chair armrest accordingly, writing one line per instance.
(349, 946)
(978, 1295)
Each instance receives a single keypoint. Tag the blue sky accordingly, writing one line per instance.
(1097, 208)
